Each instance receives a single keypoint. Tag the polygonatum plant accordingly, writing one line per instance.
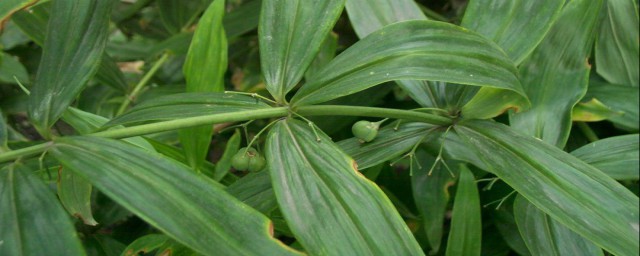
(336, 127)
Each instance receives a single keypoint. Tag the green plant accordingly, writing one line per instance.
(493, 101)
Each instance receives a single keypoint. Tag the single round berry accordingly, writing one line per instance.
(365, 130)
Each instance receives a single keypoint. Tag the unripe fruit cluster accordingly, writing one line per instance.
(365, 131)
(248, 159)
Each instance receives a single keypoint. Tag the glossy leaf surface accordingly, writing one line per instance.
(291, 33)
(617, 50)
(425, 50)
(71, 57)
(183, 105)
(32, 221)
(134, 177)
(204, 71)
(572, 192)
(506, 23)
(555, 75)
(545, 236)
(466, 227)
(616, 156)
(329, 206)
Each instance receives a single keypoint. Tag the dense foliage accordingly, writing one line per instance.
(335, 127)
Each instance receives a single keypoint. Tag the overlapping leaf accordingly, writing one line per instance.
(183, 105)
(572, 192)
(291, 32)
(369, 16)
(616, 156)
(329, 206)
(545, 236)
(32, 222)
(619, 98)
(168, 196)
(8, 7)
(466, 227)
(555, 75)
(426, 50)
(71, 57)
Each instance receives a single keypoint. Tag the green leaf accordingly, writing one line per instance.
(75, 195)
(11, 69)
(619, 98)
(419, 50)
(8, 7)
(571, 191)
(326, 53)
(466, 227)
(182, 105)
(4, 133)
(145, 244)
(616, 156)
(177, 15)
(369, 16)
(555, 75)
(255, 190)
(505, 222)
(32, 222)
(516, 26)
(242, 19)
(389, 144)
(328, 204)
(75, 40)
(187, 207)
(224, 163)
(431, 195)
(592, 111)
(617, 51)
(545, 236)
(291, 33)
(204, 71)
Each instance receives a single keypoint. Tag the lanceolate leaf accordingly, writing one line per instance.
(75, 195)
(617, 156)
(32, 221)
(143, 182)
(617, 50)
(555, 76)
(224, 163)
(291, 32)
(426, 50)
(76, 37)
(545, 236)
(204, 71)
(466, 227)
(517, 26)
(369, 16)
(329, 206)
(183, 105)
(572, 192)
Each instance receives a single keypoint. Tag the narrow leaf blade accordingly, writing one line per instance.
(466, 227)
(329, 206)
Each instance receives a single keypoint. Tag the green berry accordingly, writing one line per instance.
(365, 130)
(248, 160)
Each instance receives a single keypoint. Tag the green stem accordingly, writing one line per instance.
(324, 110)
(587, 131)
(145, 79)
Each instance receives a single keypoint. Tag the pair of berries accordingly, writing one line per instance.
(248, 159)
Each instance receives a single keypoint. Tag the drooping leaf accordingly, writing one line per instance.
(617, 51)
(545, 236)
(75, 195)
(255, 190)
(619, 98)
(616, 156)
(431, 195)
(71, 57)
(426, 50)
(181, 105)
(224, 163)
(32, 222)
(176, 15)
(369, 16)
(555, 76)
(204, 71)
(9, 7)
(291, 33)
(466, 227)
(328, 205)
(187, 207)
(389, 144)
(569, 190)
(516, 26)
